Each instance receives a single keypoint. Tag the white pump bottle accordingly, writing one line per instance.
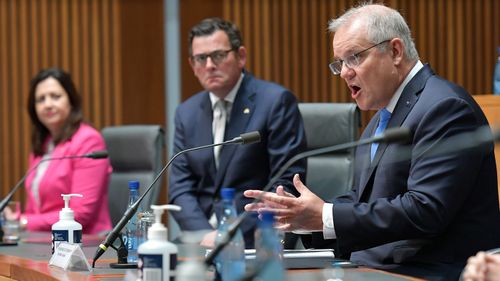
(66, 229)
(158, 256)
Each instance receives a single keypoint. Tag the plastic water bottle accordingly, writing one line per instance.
(132, 227)
(496, 76)
(269, 251)
(230, 263)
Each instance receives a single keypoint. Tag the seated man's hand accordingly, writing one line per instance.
(209, 239)
(482, 267)
(292, 213)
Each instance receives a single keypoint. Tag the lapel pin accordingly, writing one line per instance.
(246, 110)
(408, 103)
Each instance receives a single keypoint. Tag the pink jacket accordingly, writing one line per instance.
(85, 176)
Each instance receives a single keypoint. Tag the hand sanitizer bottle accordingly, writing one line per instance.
(158, 256)
(66, 229)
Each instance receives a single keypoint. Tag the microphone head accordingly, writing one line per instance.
(100, 154)
(251, 137)
(400, 134)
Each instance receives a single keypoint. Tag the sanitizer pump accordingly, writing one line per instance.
(157, 256)
(66, 229)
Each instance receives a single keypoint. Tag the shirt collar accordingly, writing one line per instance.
(232, 94)
(394, 100)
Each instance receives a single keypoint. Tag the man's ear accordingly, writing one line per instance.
(242, 56)
(397, 50)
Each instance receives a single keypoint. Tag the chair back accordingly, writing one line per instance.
(136, 152)
(328, 124)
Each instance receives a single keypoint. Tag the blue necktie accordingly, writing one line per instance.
(382, 124)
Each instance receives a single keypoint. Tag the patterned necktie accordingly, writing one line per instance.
(382, 124)
(218, 127)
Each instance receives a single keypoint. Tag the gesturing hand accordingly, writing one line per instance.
(292, 213)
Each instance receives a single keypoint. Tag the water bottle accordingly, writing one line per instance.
(230, 263)
(132, 235)
(496, 76)
(269, 251)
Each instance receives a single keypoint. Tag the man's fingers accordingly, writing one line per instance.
(280, 190)
(299, 185)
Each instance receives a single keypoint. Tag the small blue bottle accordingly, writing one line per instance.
(269, 250)
(132, 235)
(496, 76)
(230, 263)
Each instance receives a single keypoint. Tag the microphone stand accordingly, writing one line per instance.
(390, 135)
(243, 138)
(94, 155)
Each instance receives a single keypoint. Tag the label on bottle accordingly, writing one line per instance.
(151, 267)
(59, 236)
(77, 236)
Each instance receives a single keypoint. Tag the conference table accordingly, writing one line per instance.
(29, 260)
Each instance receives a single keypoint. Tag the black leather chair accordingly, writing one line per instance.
(328, 175)
(136, 152)
(328, 124)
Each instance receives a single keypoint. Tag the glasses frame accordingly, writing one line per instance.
(350, 61)
(201, 59)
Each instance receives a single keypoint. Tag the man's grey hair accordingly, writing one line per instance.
(382, 23)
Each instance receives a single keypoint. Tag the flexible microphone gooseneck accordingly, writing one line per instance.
(246, 138)
(93, 155)
(389, 136)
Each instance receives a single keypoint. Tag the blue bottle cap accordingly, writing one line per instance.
(267, 218)
(133, 184)
(227, 193)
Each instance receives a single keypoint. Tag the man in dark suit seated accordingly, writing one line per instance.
(233, 102)
(415, 211)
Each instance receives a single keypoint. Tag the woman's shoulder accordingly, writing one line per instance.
(85, 131)
(86, 136)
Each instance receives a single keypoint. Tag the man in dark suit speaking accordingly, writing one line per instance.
(415, 211)
(234, 102)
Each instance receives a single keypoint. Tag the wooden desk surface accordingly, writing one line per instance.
(29, 261)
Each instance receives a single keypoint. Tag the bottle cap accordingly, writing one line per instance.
(227, 193)
(267, 218)
(158, 231)
(133, 185)
(66, 213)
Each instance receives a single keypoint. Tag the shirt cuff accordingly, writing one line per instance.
(328, 227)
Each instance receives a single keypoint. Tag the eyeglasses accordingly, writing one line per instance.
(351, 61)
(217, 57)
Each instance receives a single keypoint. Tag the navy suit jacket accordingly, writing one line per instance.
(194, 180)
(430, 211)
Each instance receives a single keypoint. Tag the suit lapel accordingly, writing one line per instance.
(403, 107)
(241, 112)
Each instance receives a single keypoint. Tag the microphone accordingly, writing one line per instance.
(389, 136)
(246, 138)
(99, 154)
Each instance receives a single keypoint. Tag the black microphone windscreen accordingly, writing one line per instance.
(400, 134)
(100, 154)
(251, 137)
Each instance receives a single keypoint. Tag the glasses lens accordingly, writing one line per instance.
(200, 59)
(218, 56)
(336, 67)
(352, 61)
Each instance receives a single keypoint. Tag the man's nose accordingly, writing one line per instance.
(346, 72)
(210, 63)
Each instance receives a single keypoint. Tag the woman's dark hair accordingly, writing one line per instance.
(39, 131)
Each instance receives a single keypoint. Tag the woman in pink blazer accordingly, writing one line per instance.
(54, 107)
